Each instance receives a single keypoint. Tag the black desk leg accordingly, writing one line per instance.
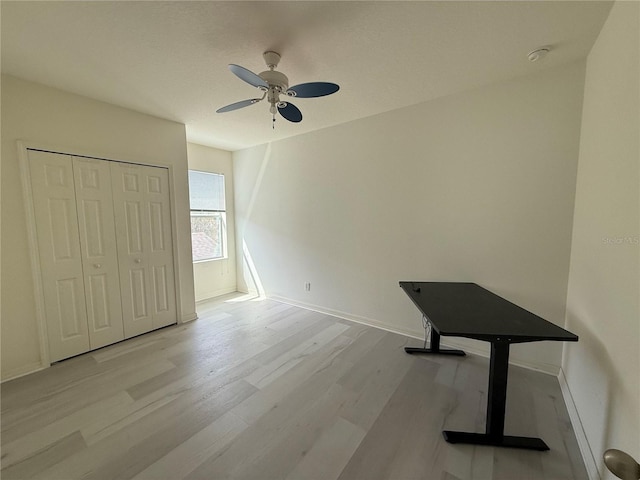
(435, 347)
(496, 405)
(497, 394)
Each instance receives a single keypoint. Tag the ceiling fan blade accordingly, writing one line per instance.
(290, 112)
(237, 105)
(313, 89)
(248, 76)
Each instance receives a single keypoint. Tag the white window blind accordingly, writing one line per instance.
(208, 216)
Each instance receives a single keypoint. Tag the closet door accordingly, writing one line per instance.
(163, 294)
(143, 226)
(99, 254)
(60, 256)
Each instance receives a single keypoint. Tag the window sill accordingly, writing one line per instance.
(195, 262)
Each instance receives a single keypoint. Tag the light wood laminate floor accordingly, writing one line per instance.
(263, 390)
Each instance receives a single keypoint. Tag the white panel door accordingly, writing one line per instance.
(132, 236)
(143, 233)
(60, 256)
(99, 253)
(163, 298)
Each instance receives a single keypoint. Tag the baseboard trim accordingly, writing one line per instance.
(546, 368)
(217, 293)
(583, 443)
(189, 317)
(346, 316)
(23, 371)
(417, 334)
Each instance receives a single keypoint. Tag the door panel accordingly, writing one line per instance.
(99, 253)
(161, 247)
(57, 232)
(139, 294)
(62, 228)
(97, 303)
(134, 228)
(161, 288)
(157, 226)
(70, 306)
(132, 233)
(143, 225)
(91, 219)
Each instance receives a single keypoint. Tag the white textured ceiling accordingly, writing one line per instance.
(169, 59)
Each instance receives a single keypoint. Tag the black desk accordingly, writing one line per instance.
(468, 310)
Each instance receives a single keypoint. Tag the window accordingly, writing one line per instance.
(208, 216)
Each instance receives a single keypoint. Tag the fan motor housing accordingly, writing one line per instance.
(275, 79)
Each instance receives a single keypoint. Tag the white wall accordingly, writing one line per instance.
(36, 113)
(216, 277)
(602, 303)
(476, 187)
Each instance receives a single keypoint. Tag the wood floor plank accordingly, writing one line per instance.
(330, 454)
(381, 452)
(318, 370)
(146, 440)
(43, 459)
(375, 378)
(189, 455)
(33, 442)
(125, 348)
(45, 382)
(482, 463)
(107, 425)
(39, 412)
(257, 389)
(555, 464)
(279, 366)
(271, 425)
(292, 441)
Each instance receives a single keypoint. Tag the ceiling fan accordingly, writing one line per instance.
(273, 84)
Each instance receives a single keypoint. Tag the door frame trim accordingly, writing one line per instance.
(25, 176)
(36, 272)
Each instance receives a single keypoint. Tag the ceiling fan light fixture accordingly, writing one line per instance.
(277, 80)
(273, 83)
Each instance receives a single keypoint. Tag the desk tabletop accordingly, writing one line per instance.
(468, 310)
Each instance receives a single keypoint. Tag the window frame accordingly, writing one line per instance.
(211, 212)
